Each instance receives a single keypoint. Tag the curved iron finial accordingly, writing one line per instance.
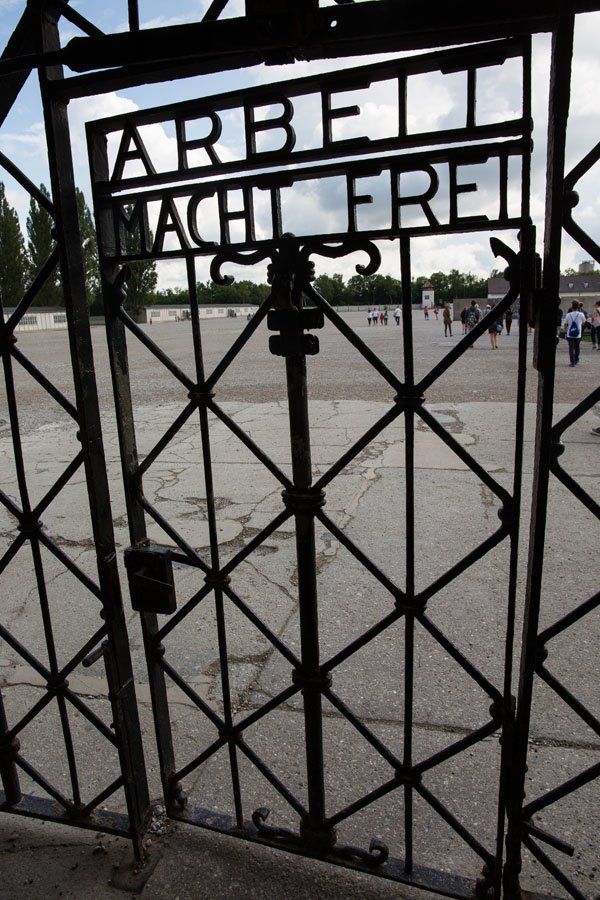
(344, 249)
(240, 259)
(512, 273)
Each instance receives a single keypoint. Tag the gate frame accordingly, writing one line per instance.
(356, 30)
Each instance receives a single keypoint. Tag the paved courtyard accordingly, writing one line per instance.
(475, 401)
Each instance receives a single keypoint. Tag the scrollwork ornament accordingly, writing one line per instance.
(352, 245)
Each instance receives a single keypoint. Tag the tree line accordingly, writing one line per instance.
(359, 290)
(22, 258)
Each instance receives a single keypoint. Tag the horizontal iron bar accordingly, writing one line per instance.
(392, 39)
(393, 869)
(354, 78)
(333, 167)
(322, 33)
(342, 80)
(50, 811)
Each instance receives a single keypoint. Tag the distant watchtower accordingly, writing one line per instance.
(427, 295)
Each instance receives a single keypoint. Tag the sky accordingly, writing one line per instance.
(434, 102)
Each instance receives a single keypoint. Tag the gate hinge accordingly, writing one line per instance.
(150, 575)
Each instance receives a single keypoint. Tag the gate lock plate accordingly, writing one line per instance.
(150, 575)
(292, 323)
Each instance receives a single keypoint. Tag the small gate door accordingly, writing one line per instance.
(138, 220)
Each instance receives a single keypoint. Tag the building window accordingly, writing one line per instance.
(59, 318)
(586, 284)
(571, 285)
(172, 312)
(209, 312)
(29, 320)
(155, 314)
(221, 311)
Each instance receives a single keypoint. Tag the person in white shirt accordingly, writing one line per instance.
(574, 322)
(397, 314)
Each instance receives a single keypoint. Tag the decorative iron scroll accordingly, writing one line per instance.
(183, 210)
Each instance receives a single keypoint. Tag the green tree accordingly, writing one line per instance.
(89, 248)
(332, 288)
(374, 290)
(141, 285)
(40, 244)
(244, 292)
(13, 257)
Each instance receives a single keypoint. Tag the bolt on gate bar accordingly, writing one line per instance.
(124, 205)
(149, 56)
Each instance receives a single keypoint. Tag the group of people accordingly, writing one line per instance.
(574, 323)
(471, 315)
(381, 317)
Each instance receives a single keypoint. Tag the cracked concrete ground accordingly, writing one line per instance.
(454, 512)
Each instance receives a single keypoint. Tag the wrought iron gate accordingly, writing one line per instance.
(292, 311)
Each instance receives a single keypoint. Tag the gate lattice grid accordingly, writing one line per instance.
(109, 641)
(347, 28)
(286, 311)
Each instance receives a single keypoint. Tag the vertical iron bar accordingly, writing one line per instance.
(545, 359)
(8, 770)
(214, 540)
(307, 589)
(133, 13)
(527, 265)
(312, 829)
(112, 282)
(119, 365)
(527, 284)
(409, 476)
(122, 689)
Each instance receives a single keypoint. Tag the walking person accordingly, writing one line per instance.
(463, 319)
(473, 317)
(369, 318)
(385, 315)
(381, 317)
(447, 319)
(508, 317)
(397, 314)
(426, 313)
(574, 322)
(595, 323)
(435, 312)
(494, 330)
